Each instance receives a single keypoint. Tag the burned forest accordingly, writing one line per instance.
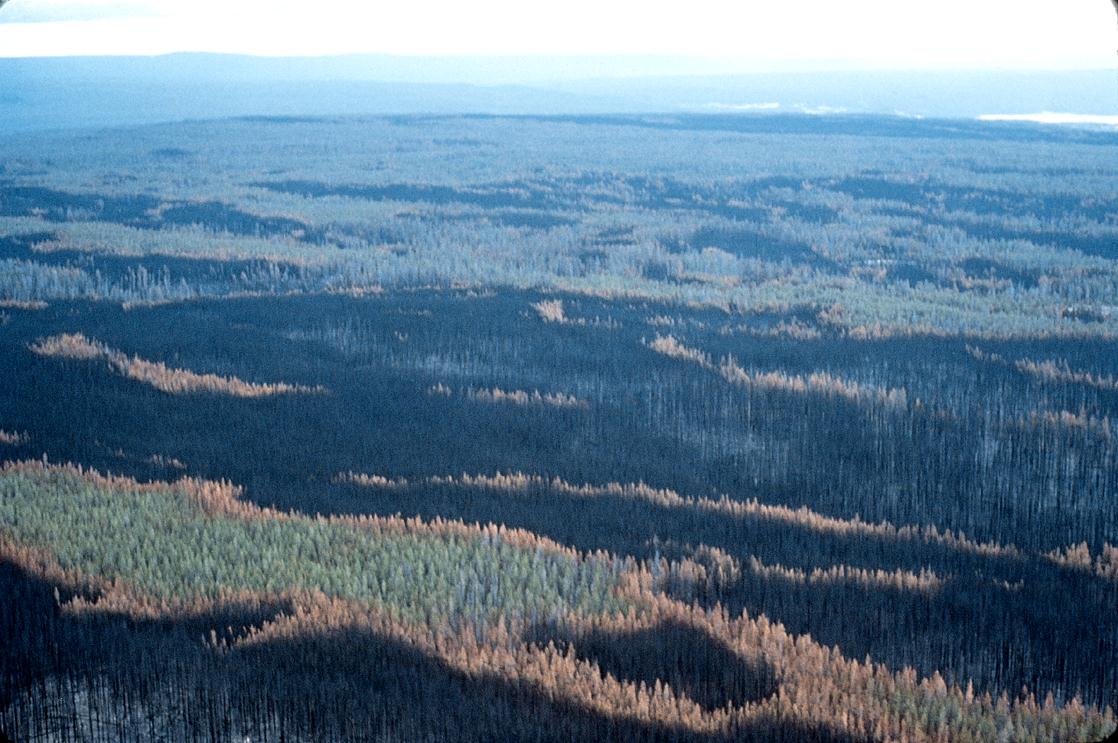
(550, 428)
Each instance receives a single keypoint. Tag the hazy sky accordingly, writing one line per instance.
(875, 33)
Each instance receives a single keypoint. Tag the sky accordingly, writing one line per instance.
(742, 34)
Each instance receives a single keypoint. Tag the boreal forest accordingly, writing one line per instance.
(710, 428)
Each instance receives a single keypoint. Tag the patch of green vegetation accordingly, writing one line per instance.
(162, 543)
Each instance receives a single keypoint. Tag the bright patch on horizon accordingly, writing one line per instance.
(1053, 117)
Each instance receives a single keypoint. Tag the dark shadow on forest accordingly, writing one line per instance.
(690, 661)
(746, 243)
(148, 212)
(339, 684)
(377, 419)
(1014, 597)
(505, 202)
(981, 201)
(42, 640)
(200, 276)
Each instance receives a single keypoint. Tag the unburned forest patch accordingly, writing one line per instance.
(53, 516)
